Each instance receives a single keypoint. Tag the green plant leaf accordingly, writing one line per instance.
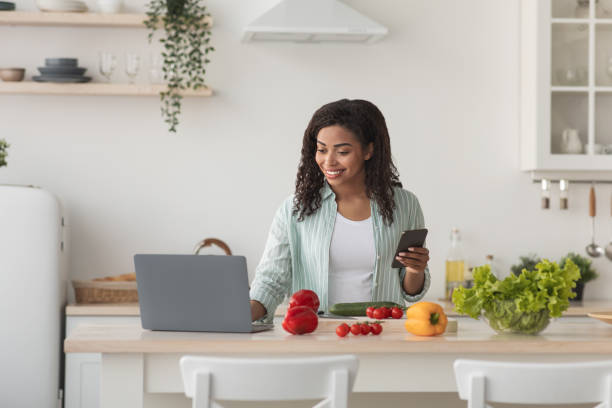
(548, 288)
(185, 43)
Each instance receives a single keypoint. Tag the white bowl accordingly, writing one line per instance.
(110, 6)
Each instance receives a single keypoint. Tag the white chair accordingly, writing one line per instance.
(330, 378)
(534, 383)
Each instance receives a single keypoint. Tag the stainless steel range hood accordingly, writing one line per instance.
(313, 21)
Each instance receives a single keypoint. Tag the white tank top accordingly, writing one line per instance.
(352, 258)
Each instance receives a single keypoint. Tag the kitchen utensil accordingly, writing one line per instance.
(563, 196)
(110, 6)
(132, 66)
(603, 316)
(595, 148)
(61, 79)
(609, 246)
(324, 315)
(156, 73)
(108, 62)
(12, 74)
(545, 194)
(61, 62)
(593, 249)
(61, 71)
(61, 5)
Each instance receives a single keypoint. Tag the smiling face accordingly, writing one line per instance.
(341, 157)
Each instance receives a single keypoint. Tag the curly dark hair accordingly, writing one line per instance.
(367, 123)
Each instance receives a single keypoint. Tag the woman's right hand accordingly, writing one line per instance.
(257, 310)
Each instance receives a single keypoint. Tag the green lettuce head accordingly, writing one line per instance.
(519, 302)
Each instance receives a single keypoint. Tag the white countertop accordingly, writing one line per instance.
(566, 335)
(132, 309)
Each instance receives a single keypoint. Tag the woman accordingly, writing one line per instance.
(338, 233)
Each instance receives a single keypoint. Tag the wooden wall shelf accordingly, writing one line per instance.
(43, 18)
(91, 88)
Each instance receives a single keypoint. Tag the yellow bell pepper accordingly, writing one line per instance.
(426, 319)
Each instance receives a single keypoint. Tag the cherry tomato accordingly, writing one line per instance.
(376, 328)
(396, 313)
(342, 330)
(370, 312)
(365, 328)
(356, 329)
(387, 312)
(379, 314)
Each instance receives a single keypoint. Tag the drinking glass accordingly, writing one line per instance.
(107, 65)
(156, 73)
(132, 66)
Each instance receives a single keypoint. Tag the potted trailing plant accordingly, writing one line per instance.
(3, 147)
(526, 262)
(185, 49)
(587, 272)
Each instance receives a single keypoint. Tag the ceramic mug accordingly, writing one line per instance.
(594, 148)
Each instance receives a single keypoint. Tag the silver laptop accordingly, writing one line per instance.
(205, 293)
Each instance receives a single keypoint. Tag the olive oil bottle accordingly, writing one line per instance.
(455, 265)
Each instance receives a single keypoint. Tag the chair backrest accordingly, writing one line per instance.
(534, 383)
(269, 379)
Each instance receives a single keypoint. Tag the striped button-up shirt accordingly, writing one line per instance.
(296, 255)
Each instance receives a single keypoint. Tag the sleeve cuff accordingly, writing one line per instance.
(269, 303)
(420, 295)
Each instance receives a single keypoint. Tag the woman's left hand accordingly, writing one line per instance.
(415, 260)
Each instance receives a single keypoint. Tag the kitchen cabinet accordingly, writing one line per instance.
(82, 370)
(566, 88)
(60, 19)
(140, 368)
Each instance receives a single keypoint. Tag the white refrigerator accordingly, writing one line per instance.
(32, 297)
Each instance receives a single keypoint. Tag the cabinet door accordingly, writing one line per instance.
(82, 375)
(566, 85)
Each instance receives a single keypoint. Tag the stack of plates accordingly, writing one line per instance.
(61, 70)
(61, 5)
(6, 6)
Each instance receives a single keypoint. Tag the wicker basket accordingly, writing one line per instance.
(105, 292)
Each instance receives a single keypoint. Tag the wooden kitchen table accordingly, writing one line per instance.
(140, 367)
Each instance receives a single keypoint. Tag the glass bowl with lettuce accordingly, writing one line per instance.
(522, 303)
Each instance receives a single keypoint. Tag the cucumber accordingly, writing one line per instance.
(358, 308)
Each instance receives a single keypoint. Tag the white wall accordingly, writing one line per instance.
(446, 79)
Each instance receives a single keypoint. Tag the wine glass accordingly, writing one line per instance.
(156, 74)
(132, 66)
(108, 62)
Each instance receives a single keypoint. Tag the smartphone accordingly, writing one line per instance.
(409, 239)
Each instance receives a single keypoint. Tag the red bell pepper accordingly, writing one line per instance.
(300, 320)
(305, 297)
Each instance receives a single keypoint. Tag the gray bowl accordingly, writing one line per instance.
(61, 62)
(61, 79)
(61, 70)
